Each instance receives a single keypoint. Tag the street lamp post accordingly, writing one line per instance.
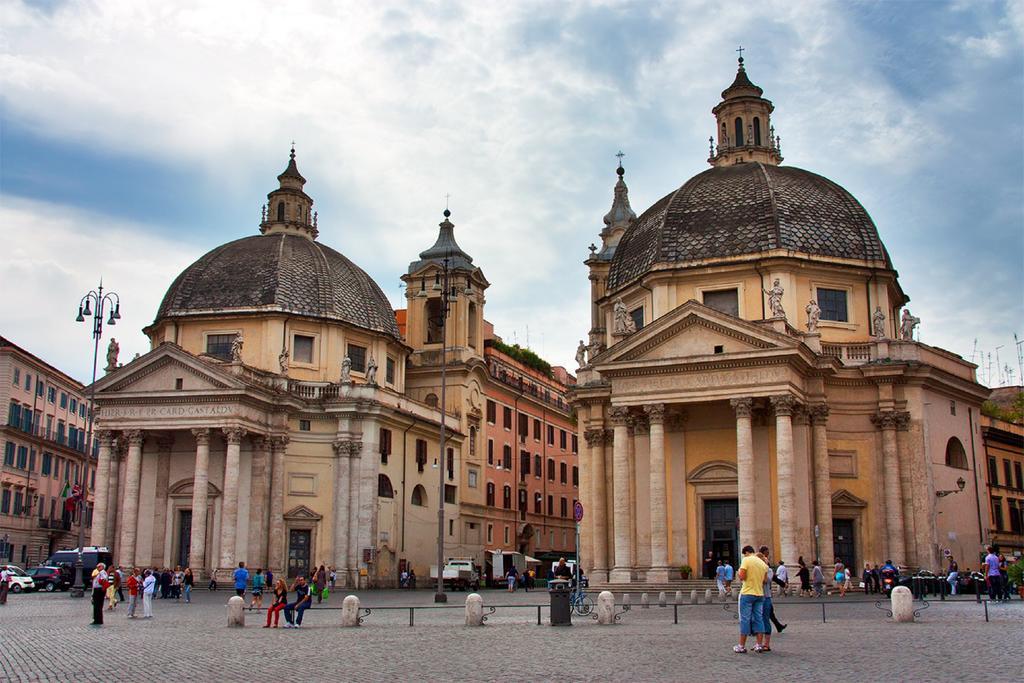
(93, 303)
(447, 295)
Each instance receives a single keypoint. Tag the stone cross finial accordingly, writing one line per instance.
(593, 248)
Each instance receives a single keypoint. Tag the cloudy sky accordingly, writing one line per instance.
(138, 135)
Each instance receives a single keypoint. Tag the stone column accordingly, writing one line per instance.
(130, 517)
(907, 489)
(355, 462)
(598, 496)
(276, 550)
(637, 427)
(100, 494)
(745, 470)
(229, 509)
(259, 488)
(822, 483)
(343, 454)
(114, 497)
(784, 406)
(622, 571)
(584, 463)
(164, 444)
(200, 503)
(659, 571)
(895, 548)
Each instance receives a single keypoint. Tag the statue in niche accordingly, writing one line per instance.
(878, 323)
(622, 319)
(907, 325)
(112, 350)
(371, 372)
(282, 360)
(775, 299)
(813, 316)
(581, 355)
(236, 348)
(346, 370)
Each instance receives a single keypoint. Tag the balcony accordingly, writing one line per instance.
(848, 354)
(55, 524)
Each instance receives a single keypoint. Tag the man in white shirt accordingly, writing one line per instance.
(5, 577)
(782, 577)
(100, 581)
(148, 589)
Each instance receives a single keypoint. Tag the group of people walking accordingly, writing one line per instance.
(109, 586)
(756, 610)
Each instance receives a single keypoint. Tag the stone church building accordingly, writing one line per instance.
(753, 377)
(270, 421)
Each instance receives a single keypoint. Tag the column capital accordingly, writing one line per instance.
(743, 406)
(655, 413)
(202, 436)
(135, 437)
(819, 413)
(263, 442)
(106, 437)
(884, 419)
(902, 420)
(784, 404)
(279, 442)
(234, 435)
(347, 448)
(618, 415)
(594, 436)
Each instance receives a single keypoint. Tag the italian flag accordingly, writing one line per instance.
(69, 502)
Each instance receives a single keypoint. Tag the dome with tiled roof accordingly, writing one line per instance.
(283, 270)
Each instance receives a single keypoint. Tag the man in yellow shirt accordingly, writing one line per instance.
(752, 573)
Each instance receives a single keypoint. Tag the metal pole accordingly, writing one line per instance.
(439, 595)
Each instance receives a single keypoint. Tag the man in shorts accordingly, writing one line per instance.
(753, 573)
(241, 579)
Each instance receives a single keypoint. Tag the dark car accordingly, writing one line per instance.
(50, 579)
(91, 556)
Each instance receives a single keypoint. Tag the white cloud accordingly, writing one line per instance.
(54, 255)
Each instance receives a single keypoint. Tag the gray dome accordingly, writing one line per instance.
(280, 273)
(747, 209)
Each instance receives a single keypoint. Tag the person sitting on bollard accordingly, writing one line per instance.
(303, 601)
(280, 600)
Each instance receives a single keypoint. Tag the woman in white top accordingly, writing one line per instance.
(148, 589)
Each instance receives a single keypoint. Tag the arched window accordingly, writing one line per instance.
(472, 325)
(431, 400)
(757, 130)
(955, 455)
(419, 496)
(538, 504)
(384, 488)
(739, 132)
(280, 211)
(490, 493)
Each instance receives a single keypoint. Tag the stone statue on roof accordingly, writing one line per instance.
(282, 360)
(907, 325)
(813, 316)
(623, 321)
(878, 323)
(112, 350)
(346, 370)
(236, 348)
(581, 355)
(371, 372)
(775, 299)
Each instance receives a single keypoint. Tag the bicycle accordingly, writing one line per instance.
(581, 603)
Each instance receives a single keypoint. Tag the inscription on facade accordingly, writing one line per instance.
(114, 412)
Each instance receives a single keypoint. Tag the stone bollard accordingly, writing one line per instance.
(707, 596)
(474, 610)
(902, 605)
(693, 597)
(606, 608)
(661, 599)
(236, 611)
(679, 597)
(350, 611)
(645, 602)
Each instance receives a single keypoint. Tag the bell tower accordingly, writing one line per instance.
(745, 132)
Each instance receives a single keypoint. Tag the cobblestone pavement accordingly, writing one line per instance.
(46, 637)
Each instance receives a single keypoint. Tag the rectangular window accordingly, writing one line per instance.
(385, 445)
(492, 411)
(575, 444)
(1017, 475)
(63, 400)
(1015, 513)
(538, 466)
(472, 477)
(302, 348)
(56, 470)
(219, 345)
(51, 394)
(538, 504)
(993, 472)
(9, 449)
(17, 377)
(47, 464)
(564, 507)
(551, 469)
(490, 451)
(524, 464)
(81, 410)
(997, 514)
(833, 304)
(562, 439)
(536, 430)
(575, 475)
(42, 505)
(637, 314)
(506, 417)
(1007, 479)
(28, 381)
(14, 415)
(357, 354)
(490, 494)
(551, 508)
(450, 463)
(421, 454)
(506, 459)
(49, 426)
(490, 533)
(724, 300)
(304, 425)
(524, 426)
(5, 502)
(26, 419)
(32, 460)
(449, 494)
(74, 405)
(389, 371)
(506, 534)
(506, 498)
(40, 388)
(17, 503)
(952, 407)
(551, 435)
(22, 457)
(563, 473)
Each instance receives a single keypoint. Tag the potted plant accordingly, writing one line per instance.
(685, 571)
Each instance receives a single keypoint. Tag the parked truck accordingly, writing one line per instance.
(459, 574)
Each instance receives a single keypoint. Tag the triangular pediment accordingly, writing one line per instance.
(694, 330)
(302, 513)
(843, 498)
(161, 369)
